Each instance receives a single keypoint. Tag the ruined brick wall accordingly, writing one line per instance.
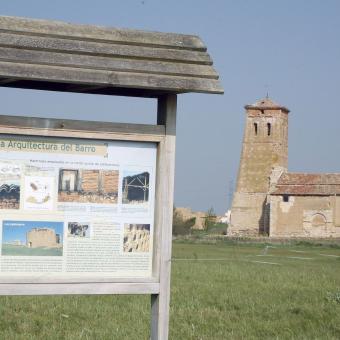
(41, 237)
(265, 146)
(96, 186)
(90, 180)
(110, 181)
(304, 216)
(68, 196)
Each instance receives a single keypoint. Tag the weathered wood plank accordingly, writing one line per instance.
(67, 279)
(105, 63)
(91, 32)
(80, 125)
(164, 210)
(56, 56)
(6, 81)
(106, 90)
(86, 135)
(113, 78)
(80, 129)
(102, 49)
(78, 288)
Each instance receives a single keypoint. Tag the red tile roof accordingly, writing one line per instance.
(308, 184)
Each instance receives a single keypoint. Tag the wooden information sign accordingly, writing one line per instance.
(86, 207)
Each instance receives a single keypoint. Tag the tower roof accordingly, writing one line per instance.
(268, 104)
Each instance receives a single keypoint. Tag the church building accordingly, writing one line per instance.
(269, 200)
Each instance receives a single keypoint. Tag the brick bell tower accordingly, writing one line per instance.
(265, 146)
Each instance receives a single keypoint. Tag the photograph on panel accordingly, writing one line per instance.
(136, 238)
(135, 187)
(32, 238)
(10, 174)
(78, 230)
(88, 186)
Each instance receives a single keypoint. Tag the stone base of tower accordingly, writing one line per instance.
(249, 215)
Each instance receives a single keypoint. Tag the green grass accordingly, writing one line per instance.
(219, 291)
(15, 250)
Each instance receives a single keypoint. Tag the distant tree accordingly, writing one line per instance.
(210, 218)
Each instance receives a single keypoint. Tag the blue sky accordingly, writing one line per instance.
(16, 230)
(289, 48)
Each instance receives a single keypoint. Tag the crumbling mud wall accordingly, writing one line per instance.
(136, 238)
(187, 214)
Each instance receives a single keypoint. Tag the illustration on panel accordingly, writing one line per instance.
(38, 193)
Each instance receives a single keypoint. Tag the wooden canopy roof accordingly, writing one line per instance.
(57, 56)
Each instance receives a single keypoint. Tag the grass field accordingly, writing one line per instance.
(219, 291)
(15, 250)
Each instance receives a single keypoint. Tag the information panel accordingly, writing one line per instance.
(76, 208)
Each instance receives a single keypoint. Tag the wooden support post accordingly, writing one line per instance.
(166, 115)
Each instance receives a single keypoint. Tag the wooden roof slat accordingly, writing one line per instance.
(41, 54)
(70, 75)
(85, 88)
(91, 32)
(102, 49)
(104, 63)
(79, 125)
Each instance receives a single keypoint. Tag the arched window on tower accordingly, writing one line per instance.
(269, 128)
(255, 129)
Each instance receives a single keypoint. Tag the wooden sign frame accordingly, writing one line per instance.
(58, 56)
(164, 134)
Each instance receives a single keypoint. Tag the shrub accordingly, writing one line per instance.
(218, 228)
(333, 297)
(210, 218)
